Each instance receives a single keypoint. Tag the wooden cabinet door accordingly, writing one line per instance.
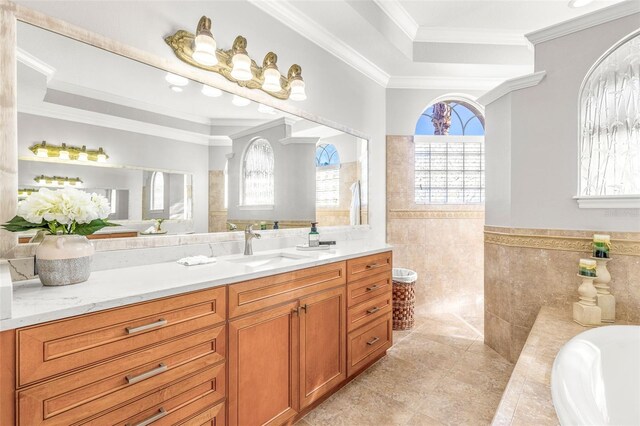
(263, 367)
(322, 344)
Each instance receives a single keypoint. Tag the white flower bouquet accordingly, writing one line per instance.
(63, 211)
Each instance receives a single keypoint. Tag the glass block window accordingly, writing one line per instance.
(327, 176)
(449, 170)
(463, 120)
(610, 123)
(258, 174)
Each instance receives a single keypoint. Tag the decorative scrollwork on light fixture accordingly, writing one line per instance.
(200, 50)
(67, 152)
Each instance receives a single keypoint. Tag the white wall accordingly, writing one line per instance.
(335, 90)
(543, 139)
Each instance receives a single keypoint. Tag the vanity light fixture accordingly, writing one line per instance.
(25, 192)
(204, 45)
(235, 65)
(68, 152)
(240, 101)
(212, 92)
(57, 180)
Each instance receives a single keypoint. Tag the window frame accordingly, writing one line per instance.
(627, 201)
(152, 197)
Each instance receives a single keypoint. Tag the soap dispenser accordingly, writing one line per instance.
(314, 236)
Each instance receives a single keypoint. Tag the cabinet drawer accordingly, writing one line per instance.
(84, 394)
(171, 404)
(368, 342)
(367, 288)
(368, 311)
(254, 295)
(368, 265)
(214, 416)
(62, 346)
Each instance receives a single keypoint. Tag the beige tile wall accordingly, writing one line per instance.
(444, 244)
(217, 211)
(526, 269)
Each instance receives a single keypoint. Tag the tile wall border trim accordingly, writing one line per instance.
(557, 242)
(435, 214)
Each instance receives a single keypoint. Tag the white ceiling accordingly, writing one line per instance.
(428, 43)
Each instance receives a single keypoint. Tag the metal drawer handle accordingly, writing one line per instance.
(372, 265)
(161, 368)
(373, 341)
(373, 287)
(159, 323)
(304, 307)
(160, 414)
(373, 310)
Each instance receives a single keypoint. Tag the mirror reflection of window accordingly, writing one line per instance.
(157, 191)
(258, 174)
(226, 184)
(327, 176)
(113, 200)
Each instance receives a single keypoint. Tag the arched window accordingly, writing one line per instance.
(449, 154)
(226, 184)
(610, 126)
(327, 176)
(257, 174)
(156, 199)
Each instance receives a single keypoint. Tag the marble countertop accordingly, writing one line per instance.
(527, 397)
(32, 303)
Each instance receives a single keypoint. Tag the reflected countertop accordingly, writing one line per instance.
(33, 303)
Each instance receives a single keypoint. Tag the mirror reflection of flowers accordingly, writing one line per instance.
(63, 211)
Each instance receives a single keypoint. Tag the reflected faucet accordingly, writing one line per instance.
(249, 235)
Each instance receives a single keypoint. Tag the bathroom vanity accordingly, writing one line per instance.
(243, 347)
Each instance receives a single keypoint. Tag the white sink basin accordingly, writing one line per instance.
(269, 260)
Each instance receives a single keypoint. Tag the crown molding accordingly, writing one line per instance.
(448, 83)
(299, 140)
(598, 17)
(34, 63)
(399, 15)
(510, 85)
(283, 121)
(469, 36)
(285, 12)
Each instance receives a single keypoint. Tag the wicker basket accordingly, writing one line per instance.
(404, 298)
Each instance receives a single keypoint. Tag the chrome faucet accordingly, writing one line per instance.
(249, 235)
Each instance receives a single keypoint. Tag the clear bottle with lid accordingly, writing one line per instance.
(314, 236)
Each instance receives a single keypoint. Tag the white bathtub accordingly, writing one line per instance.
(595, 378)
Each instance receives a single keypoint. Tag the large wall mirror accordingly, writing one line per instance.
(160, 146)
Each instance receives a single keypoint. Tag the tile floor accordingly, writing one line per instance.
(439, 373)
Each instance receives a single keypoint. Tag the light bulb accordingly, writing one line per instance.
(42, 151)
(204, 45)
(42, 180)
(101, 157)
(271, 80)
(204, 50)
(63, 154)
(297, 90)
(83, 156)
(240, 101)
(176, 80)
(176, 89)
(212, 92)
(241, 67)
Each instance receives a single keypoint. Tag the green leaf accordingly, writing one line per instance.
(19, 224)
(91, 227)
